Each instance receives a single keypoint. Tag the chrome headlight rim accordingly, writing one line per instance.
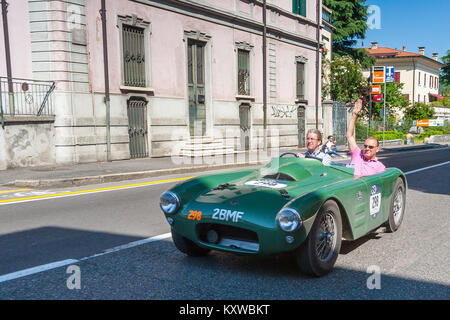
(296, 217)
(174, 204)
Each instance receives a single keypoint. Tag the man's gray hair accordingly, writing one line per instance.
(317, 132)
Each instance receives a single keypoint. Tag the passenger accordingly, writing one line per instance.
(313, 142)
(330, 147)
(365, 162)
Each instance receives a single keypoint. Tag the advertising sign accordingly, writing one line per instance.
(429, 123)
(378, 75)
(378, 98)
(376, 89)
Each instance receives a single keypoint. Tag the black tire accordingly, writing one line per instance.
(310, 256)
(187, 246)
(397, 208)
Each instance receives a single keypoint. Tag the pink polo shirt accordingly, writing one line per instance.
(364, 167)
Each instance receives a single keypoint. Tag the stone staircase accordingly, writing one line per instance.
(199, 146)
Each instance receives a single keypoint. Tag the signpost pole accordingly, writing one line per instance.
(384, 111)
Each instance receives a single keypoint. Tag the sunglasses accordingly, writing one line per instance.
(367, 146)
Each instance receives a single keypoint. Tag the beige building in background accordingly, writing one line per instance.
(418, 73)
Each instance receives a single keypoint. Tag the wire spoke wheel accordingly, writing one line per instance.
(326, 237)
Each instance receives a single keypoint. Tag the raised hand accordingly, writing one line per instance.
(358, 106)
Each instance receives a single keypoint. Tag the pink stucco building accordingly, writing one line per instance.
(177, 70)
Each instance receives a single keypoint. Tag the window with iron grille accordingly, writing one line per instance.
(133, 56)
(243, 72)
(300, 88)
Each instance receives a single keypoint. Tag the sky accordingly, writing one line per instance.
(410, 23)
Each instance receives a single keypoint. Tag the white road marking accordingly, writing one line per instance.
(58, 264)
(62, 263)
(34, 270)
(426, 168)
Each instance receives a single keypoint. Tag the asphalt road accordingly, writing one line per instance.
(413, 262)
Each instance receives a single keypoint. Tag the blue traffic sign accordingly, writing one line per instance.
(389, 74)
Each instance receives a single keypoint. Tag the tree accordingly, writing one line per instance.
(395, 100)
(444, 77)
(350, 19)
(347, 83)
(419, 111)
(444, 102)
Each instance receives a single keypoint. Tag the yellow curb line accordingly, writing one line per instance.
(93, 190)
(17, 190)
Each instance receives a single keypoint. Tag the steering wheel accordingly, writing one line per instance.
(310, 157)
(290, 153)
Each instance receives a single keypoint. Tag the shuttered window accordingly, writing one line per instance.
(299, 7)
(243, 72)
(133, 56)
(300, 88)
(397, 76)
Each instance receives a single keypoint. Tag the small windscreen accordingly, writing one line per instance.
(279, 176)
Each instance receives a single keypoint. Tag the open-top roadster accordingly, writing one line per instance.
(292, 204)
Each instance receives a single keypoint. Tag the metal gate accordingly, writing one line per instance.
(339, 122)
(137, 127)
(301, 126)
(244, 119)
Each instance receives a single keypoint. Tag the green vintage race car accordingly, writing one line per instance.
(292, 204)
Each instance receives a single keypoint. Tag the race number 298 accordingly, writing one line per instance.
(375, 201)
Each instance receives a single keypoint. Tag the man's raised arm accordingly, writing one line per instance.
(351, 128)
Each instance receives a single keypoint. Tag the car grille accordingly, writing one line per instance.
(228, 236)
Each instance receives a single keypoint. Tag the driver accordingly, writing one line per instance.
(313, 142)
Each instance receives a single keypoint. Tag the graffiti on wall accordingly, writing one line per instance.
(282, 112)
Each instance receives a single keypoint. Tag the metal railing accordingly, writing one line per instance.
(25, 97)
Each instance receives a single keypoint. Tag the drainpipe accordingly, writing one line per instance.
(317, 61)
(106, 71)
(8, 55)
(265, 73)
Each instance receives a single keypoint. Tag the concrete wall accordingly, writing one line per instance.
(27, 144)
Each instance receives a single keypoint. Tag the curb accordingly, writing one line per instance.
(115, 177)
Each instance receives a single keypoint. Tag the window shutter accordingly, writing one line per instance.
(397, 76)
(295, 6)
(302, 9)
(300, 81)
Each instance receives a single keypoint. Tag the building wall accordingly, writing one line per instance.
(19, 40)
(63, 43)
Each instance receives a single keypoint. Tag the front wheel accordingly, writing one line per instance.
(187, 246)
(397, 208)
(318, 254)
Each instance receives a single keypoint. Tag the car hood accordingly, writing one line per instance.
(269, 188)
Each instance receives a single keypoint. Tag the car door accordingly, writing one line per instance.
(378, 201)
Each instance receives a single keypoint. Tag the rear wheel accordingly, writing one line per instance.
(397, 208)
(318, 254)
(187, 246)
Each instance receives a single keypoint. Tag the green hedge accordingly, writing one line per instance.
(388, 135)
(431, 133)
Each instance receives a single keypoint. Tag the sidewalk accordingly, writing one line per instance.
(101, 172)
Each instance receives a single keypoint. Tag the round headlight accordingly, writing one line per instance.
(289, 220)
(169, 202)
